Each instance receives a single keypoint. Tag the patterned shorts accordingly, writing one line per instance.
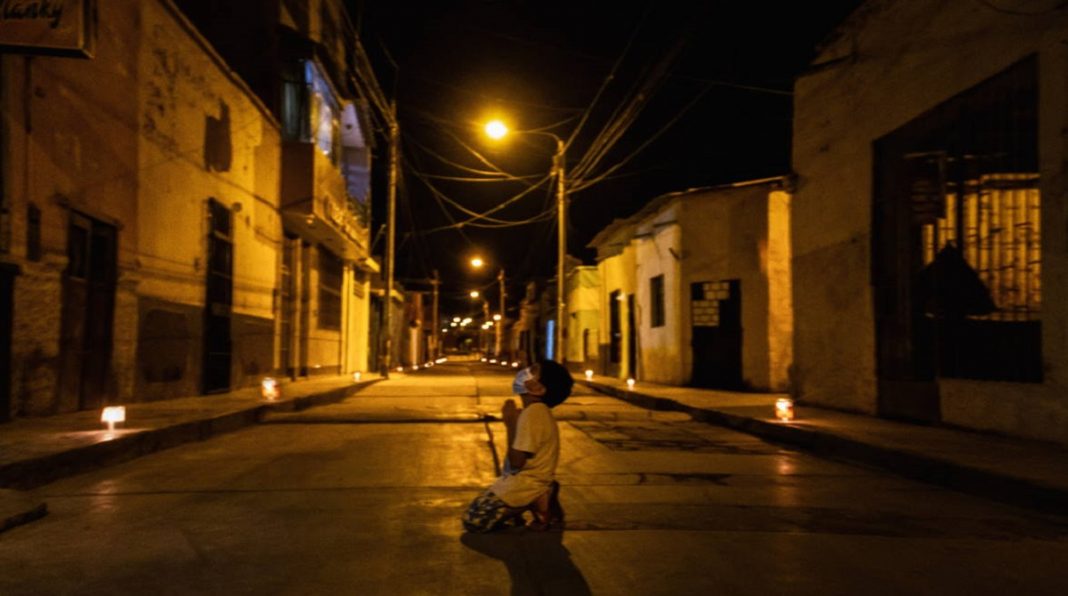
(486, 513)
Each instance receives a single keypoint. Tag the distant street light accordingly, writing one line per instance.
(477, 262)
(475, 294)
(496, 129)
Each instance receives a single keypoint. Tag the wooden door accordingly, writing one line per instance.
(87, 313)
(218, 305)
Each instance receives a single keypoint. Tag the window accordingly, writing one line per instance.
(656, 297)
(957, 255)
(310, 112)
(330, 272)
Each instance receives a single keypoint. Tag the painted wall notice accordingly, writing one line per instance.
(47, 26)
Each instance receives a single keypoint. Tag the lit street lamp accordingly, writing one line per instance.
(496, 129)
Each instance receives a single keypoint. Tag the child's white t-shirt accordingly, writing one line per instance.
(535, 433)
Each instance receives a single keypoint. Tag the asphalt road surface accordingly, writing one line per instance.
(364, 497)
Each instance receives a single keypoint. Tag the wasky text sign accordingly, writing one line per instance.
(54, 27)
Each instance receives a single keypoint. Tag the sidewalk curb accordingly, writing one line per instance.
(17, 509)
(38, 471)
(1014, 490)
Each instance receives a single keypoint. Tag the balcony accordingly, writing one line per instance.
(315, 202)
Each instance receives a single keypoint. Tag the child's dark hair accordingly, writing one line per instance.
(557, 381)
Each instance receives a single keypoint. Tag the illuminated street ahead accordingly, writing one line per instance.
(363, 497)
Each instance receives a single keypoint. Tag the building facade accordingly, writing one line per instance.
(697, 288)
(928, 232)
(139, 181)
(301, 58)
(617, 269)
(147, 247)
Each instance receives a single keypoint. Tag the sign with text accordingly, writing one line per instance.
(51, 27)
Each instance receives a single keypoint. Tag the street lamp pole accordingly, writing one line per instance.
(561, 253)
(497, 129)
(391, 220)
(500, 311)
(436, 281)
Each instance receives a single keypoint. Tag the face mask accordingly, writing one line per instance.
(519, 384)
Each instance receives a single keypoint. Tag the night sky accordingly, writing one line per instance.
(451, 65)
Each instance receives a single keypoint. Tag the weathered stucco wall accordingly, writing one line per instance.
(725, 236)
(901, 59)
(617, 272)
(204, 137)
(658, 246)
(776, 263)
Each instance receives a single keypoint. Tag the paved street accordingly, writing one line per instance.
(363, 497)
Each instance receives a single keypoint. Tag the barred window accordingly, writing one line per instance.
(998, 216)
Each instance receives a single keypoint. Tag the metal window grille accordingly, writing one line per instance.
(995, 221)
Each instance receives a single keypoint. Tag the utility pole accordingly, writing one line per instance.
(500, 323)
(436, 353)
(561, 253)
(391, 237)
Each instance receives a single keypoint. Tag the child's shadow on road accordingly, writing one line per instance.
(537, 562)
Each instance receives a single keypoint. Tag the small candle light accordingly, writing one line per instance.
(493, 361)
(589, 374)
(630, 383)
(356, 376)
(784, 409)
(269, 388)
(515, 365)
(483, 359)
(400, 369)
(113, 414)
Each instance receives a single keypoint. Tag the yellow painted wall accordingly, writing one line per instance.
(617, 273)
(583, 304)
(183, 86)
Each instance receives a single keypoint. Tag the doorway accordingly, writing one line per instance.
(632, 338)
(87, 313)
(716, 323)
(218, 304)
(615, 334)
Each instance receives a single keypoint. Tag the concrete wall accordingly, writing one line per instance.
(901, 59)
(775, 262)
(725, 236)
(358, 320)
(665, 358)
(617, 272)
